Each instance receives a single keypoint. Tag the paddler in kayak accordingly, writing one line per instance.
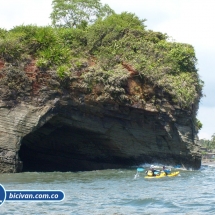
(167, 171)
(164, 170)
(152, 171)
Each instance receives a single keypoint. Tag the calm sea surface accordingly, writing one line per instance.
(115, 192)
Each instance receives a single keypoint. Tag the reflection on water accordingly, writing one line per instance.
(115, 192)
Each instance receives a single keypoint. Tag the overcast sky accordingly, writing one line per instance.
(187, 21)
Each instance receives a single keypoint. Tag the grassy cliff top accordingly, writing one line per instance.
(112, 49)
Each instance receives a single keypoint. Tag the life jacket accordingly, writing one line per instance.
(150, 173)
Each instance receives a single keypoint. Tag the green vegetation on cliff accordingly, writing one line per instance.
(108, 52)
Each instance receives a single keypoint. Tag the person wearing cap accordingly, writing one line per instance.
(151, 171)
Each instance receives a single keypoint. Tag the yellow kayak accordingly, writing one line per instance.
(162, 174)
(173, 174)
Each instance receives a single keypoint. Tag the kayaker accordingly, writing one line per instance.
(166, 170)
(151, 171)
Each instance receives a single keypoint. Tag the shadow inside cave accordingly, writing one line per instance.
(61, 147)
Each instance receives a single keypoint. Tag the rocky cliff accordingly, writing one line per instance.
(47, 124)
(108, 95)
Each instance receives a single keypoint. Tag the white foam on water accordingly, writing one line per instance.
(136, 176)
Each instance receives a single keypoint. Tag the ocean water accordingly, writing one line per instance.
(115, 192)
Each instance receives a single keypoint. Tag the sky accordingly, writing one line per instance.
(186, 21)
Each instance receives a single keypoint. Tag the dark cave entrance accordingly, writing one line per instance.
(62, 147)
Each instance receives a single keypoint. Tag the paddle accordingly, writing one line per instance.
(139, 169)
(177, 166)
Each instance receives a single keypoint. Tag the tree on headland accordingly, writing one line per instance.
(78, 13)
(213, 141)
(209, 144)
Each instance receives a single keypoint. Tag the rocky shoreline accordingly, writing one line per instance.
(208, 162)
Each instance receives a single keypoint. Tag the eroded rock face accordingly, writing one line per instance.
(70, 137)
(47, 128)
